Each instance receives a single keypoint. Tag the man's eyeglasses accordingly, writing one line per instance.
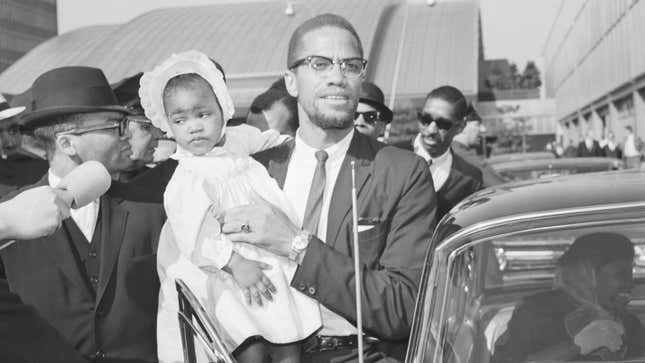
(370, 117)
(121, 125)
(426, 119)
(350, 67)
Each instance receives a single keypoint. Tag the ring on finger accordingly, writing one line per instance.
(245, 228)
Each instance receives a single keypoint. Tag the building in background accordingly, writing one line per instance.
(411, 47)
(23, 25)
(516, 116)
(595, 67)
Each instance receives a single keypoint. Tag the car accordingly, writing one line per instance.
(546, 168)
(500, 250)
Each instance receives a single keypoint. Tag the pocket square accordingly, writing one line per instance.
(365, 228)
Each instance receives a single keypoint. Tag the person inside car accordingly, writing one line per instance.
(585, 316)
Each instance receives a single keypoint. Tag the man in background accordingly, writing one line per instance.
(18, 166)
(274, 109)
(372, 115)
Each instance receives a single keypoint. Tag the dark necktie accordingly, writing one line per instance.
(314, 202)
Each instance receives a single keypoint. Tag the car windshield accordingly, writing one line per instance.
(540, 297)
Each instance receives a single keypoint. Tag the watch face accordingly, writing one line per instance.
(301, 241)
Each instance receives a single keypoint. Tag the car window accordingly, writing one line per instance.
(532, 296)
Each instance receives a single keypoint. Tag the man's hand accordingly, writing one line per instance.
(250, 276)
(262, 225)
(598, 334)
(34, 213)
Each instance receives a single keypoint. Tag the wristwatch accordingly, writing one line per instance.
(299, 245)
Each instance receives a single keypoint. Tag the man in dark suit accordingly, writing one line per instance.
(94, 279)
(589, 146)
(444, 115)
(396, 203)
(24, 335)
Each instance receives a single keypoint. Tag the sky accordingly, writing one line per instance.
(513, 29)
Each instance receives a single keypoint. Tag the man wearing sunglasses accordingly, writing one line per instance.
(372, 115)
(444, 115)
(94, 279)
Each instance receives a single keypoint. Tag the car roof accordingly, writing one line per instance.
(501, 158)
(579, 190)
(532, 164)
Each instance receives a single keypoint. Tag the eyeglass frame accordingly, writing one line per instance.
(342, 64)
(369, 122)
(422, 118)
(121, 125)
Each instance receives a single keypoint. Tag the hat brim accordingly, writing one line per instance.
(11, 112)
(385, 111)
(38, 118)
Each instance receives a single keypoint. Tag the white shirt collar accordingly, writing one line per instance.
(336, 151)
(440, 168)
(84, 217)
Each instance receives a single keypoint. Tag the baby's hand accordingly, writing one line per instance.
(252, 280)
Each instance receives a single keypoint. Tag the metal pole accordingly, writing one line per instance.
(397, 66)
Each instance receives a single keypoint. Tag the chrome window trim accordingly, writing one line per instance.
(457, 238)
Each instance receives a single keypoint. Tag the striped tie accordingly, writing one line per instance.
(314, 203)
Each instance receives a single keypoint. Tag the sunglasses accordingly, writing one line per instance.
(121, 125)
(370, 117)
(426, 119)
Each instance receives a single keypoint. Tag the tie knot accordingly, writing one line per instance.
(321, 156)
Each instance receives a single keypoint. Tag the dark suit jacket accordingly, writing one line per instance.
(583, 151)
(464, 179)
(148, 186)
(119, 319)
(489, 176)
(27, 337)
(395, 193)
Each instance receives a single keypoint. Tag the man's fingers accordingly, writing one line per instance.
(65, 196)
(242, 237)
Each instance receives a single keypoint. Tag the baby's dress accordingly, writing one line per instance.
(226, 177)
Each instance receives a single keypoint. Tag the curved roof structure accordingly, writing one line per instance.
(439, 44)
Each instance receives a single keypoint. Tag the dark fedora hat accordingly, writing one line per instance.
(68, 90)
(373, 96)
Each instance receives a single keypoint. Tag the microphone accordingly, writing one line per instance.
(357, 268)
(86, 183)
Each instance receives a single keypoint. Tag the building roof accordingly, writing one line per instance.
(250, 40)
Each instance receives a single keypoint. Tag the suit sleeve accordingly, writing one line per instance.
(148, 187)
(389, 289)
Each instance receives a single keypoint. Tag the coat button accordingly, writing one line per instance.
(99, 354)
(301, 286)
(94, 280)
(92, 254)
(311, 290)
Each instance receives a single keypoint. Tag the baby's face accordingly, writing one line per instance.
(195, 117)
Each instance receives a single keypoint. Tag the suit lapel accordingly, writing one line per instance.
(113, 222)
(341, 202)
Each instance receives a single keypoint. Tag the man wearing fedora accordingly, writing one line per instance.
(372, 115)
(94, 279)
(18, 166)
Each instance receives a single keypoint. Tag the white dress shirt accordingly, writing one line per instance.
(630, 146)
(440, 167)
(84, 217)
(297, 184)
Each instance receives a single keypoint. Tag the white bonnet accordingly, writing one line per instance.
(154, 82)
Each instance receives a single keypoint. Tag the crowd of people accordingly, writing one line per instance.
(631, 150)
(254, 215)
